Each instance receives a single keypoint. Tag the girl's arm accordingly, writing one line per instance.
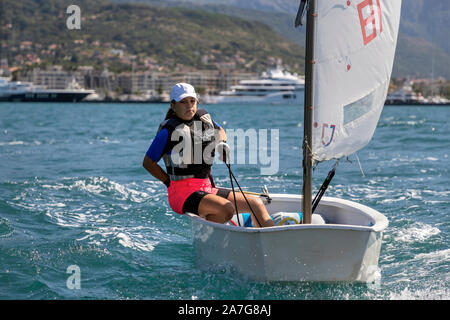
(155, 170)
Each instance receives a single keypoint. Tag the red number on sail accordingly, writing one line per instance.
(370, 21)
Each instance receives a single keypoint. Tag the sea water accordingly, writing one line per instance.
(80, 218)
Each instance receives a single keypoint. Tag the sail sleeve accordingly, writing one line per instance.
(355, 44)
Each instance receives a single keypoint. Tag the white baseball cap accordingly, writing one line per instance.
(181, 91)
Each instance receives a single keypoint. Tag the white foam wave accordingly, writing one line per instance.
(127, 241)
(408, 122)
(56, 186)
(421, 294)
(68, 212)
(419, 232)
(132, 238)
(12, 143)
(104, 140)
(70, 219)
(393, 200)
(434, 257)
(100, 185)
(57, 204)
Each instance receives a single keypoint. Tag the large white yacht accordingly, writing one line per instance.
(407, 96)
(275, 86)
(9, 88)
(28, 92)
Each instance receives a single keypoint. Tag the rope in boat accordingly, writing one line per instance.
(311, 153)
(234, 195)
(240, 189)
(360, 166)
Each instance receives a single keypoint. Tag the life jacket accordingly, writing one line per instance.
(183, 161)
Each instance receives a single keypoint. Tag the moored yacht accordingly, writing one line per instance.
(9, 88)
(28, 92)
(275, 86)
(405, 95)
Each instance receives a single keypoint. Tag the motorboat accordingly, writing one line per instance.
(19, 91)
(275, 86)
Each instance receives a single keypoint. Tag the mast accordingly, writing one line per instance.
(308, 112)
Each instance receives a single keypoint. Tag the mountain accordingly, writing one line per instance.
(420, 18)
(427, 20)
(118, 35)
(284, 6)
(423, 46)
(201, 34)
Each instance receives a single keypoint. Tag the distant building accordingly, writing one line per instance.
(98, 80)
(26, 45)
(4, 69)
(53, 78)
(207, 82)
(124, 83)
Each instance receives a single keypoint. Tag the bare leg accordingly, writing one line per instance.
(215, 208)
(258, 208)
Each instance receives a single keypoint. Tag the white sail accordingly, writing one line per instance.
(355, 44)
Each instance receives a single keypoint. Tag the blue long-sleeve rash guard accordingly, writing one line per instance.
(155, 152)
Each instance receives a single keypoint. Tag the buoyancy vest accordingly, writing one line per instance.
(189, 152)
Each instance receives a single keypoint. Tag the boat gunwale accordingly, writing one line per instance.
(381, 222)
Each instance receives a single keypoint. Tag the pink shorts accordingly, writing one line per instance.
(180, 190)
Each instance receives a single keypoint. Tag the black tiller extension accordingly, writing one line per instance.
(323, 188)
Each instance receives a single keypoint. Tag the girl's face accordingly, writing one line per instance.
(185, 109)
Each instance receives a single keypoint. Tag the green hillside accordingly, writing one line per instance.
(171, 35)
(117, 35)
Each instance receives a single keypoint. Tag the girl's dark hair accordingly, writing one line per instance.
(170, 113)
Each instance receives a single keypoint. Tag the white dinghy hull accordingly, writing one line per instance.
(347, 248)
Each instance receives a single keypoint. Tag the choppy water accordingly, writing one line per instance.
(73, 192)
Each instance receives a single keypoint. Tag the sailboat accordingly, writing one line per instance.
(350, 48)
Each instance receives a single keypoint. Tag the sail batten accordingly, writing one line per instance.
(354, 52)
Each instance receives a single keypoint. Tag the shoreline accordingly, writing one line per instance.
(426, 104)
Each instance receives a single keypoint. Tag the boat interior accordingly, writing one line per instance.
(329, 210)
